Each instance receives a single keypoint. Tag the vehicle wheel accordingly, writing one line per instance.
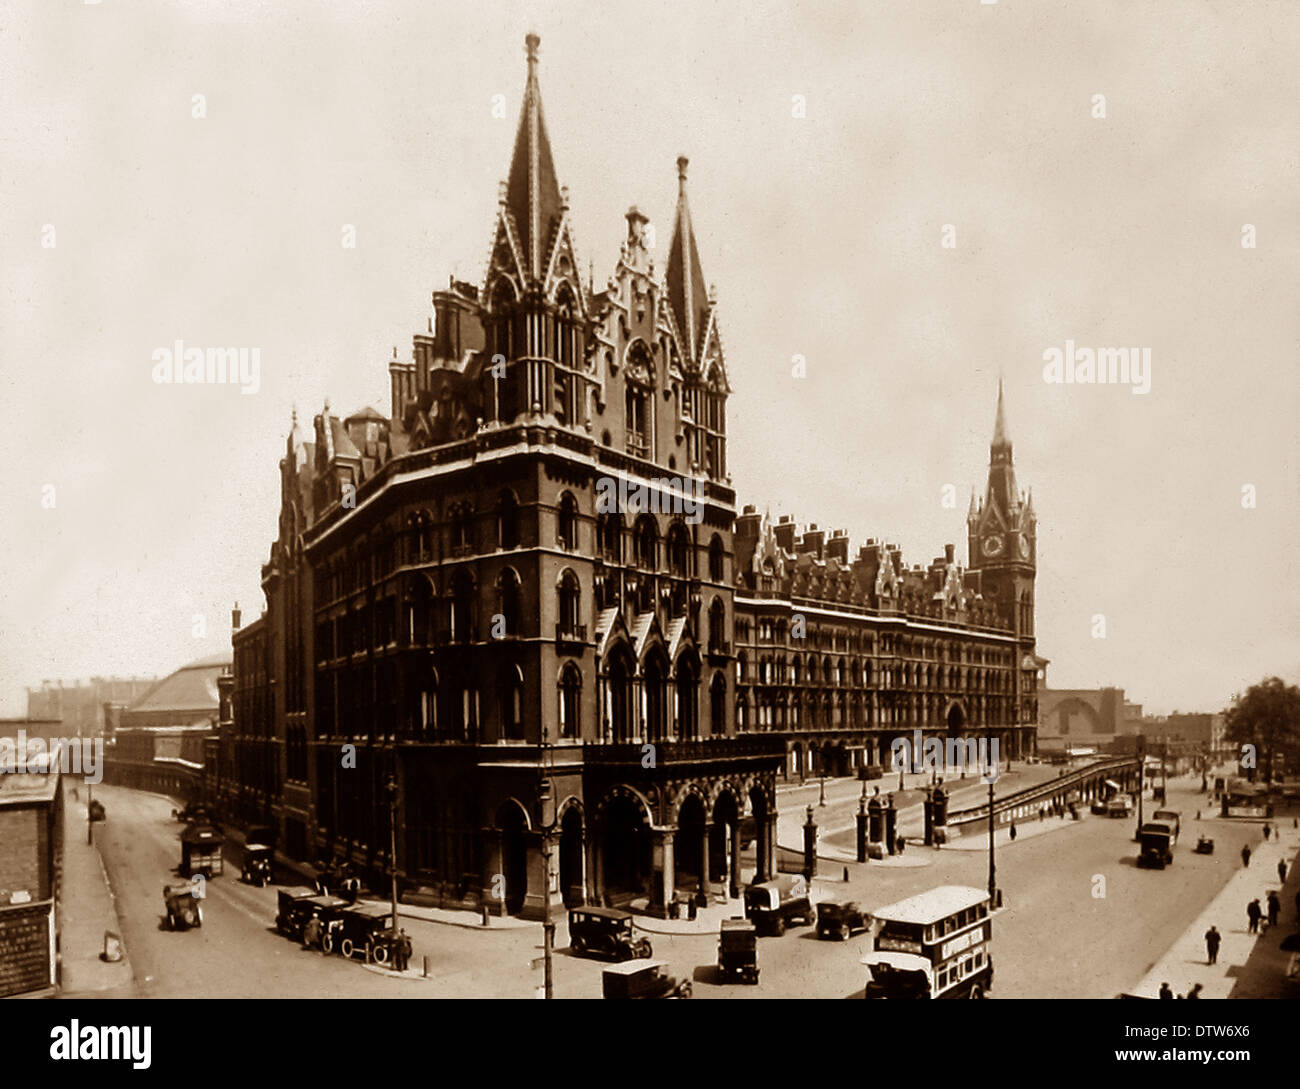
(327, 943)
(578, 946)
(976, 991)
(198, 912)
(780, 927)
(844, 932)
(347, 947)
(171, 921)
(685, 990)
(380, 954)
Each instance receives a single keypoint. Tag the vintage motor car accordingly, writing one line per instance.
(1205, 846)
(321, 929)
(772, 905)
(258, 862)
(360, 930)
(841, 920)
(191, 812)
(295, 909)
(201, 850)
(643, 979)
(1156, 840)
(605, 932)
(183, 907)
(738, 951)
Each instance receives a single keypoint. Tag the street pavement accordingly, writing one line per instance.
(1080, 921)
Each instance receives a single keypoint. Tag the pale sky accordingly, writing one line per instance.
(822, 233)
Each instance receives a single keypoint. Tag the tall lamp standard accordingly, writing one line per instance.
(546, 804)
(390, 789)
(992, 774)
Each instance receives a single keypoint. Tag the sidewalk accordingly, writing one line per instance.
(1239, 957)
(88, 907)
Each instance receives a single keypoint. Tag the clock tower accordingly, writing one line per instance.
(1002, 536)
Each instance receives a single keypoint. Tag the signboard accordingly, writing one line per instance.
(961, 943)
(26, 949)
(898, 945)
(1247, 811)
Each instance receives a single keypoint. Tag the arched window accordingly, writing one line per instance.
(427, 723)
(462, 607)
(571, 701)
(717, 627)
(512, 703)
(688, 725)
(508, 600)
(570, 602)
(462, 528)
(646, 539)
(507, 521)
(716, 559)
(678, 551)
(566, 531)
(718, 705)
(609, 533)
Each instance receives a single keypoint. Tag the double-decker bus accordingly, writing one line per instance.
(935, 945)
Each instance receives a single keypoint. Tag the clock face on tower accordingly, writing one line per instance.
(992, 545)
(1024, 549)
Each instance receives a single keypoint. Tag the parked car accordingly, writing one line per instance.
(191, 812)
(1156, 845)
(841, 920)
(643, 979)
(201, 850)
(295, 908)
(1205, 846)
(772, 905)
(605, 932)
(320, 931)
(258, 864)
(183, 907)
(738, 951)
(360, 927)
(1119, 806)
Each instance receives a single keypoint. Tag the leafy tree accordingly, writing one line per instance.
(1267, 716)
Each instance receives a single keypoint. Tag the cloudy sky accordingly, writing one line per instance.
(830, 145)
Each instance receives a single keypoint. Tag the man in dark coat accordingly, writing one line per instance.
(1212, 940)
(1274, 908)
(1245, 855)
(1281, 870)
(1253, 913)
(1166, 991)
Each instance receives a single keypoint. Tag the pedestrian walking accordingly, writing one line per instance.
(1212, 940)
(899, 844)
(1013, 831)
(1245, 855)
(1166, 991)
(1281, 870)
(1274, 908)
(1266, 831)
(1253, 913)
(1195, 992)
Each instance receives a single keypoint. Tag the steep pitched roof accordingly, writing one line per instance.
(193, 687)
(687, 294)
(532, 190)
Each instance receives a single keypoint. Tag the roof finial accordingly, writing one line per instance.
(530, 44)
(682, 163)
(1000, 424)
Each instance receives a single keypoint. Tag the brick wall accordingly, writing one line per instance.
(22, 833)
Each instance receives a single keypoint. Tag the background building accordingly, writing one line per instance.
(840, 655)
(81, 706)
(31, 846)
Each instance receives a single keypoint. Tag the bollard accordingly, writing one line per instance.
(112, 947)
(485, 916)
(426, 967)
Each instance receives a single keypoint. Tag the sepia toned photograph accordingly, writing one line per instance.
(651, 500)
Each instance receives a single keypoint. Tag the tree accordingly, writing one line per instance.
(1267, 716)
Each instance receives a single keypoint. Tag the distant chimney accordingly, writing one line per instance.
(948, 552)
(784, 533)
(235, 616)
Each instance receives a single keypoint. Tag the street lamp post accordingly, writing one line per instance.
(546, 804)
(823, 789)
(90, 826)
(992, 773)
(390, 788)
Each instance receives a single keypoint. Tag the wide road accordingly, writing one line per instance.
(1081, 921)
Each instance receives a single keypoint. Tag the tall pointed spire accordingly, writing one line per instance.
(1000, 424)
(687, 293)
(532, 193)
